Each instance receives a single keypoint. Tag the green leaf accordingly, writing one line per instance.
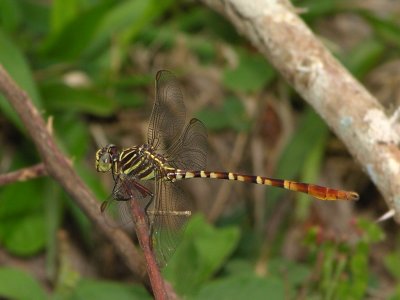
(121, 17)
(72, 139)
(318, 9)
(22, 217)
(35, 18)
(192, 21)
(27, 236)
(232, 115)
(364, 57)
(201, 253)
(392, 264)
(16, 65)
(310, 172)
(328, 266)
(60, 97)
(213, 119)
(238, 266)
(62, 12)
(204, 49)
(372, 231)
(164, 37)
(294, 273)
(14, 201)
(53, 212)
(86, 24)
(200, 19)
(311, 128)
(102, 23)
(252, 73)
(234, 110)
(243, 287)
(336, 282)
(359, 270)
(16, 284)
(10, 15)
(99, 290)
(153, 10)
(130, 99)
(122, 25)
(388, 30)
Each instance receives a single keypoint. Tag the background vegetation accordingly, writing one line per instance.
(90, 65)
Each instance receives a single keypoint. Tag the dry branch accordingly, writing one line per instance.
(60, 169)
(23, 174)
(347, 107)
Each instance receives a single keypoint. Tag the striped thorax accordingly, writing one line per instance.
(139, 161)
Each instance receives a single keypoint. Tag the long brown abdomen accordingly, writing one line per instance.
(319, 192)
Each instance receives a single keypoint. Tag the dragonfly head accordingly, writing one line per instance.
(106, 157)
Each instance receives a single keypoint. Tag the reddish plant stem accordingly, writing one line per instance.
(143, 235)
(142, 232)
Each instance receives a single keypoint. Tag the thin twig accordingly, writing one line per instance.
(23, 174)
(356, 117)
(60, 169)
(142, 232)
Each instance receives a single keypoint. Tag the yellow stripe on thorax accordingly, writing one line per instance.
(150, 176)
(131, 168)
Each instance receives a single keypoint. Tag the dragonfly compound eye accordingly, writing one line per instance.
(104, 163)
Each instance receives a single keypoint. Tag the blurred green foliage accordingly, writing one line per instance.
(45, 44)
(204, 250)
(252, 73)
(11, 282)
(344, 268)
(231, 115)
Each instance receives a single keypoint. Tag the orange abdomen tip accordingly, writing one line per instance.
(353, 196)
(345, 195)
(323, 193)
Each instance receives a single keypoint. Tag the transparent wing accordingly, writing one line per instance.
(189, 152)
(168, 216)
(118, 212)
(118, 207)
(168, 116)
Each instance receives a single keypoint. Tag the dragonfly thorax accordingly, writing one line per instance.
(141, 161)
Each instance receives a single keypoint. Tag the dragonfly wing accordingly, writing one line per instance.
(125, 190)
(168, 116)
(190, 150)
(170, 215)
(116, 213)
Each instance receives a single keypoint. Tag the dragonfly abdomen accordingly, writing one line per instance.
(319, 192)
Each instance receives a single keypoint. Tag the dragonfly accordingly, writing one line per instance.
(175, 151)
